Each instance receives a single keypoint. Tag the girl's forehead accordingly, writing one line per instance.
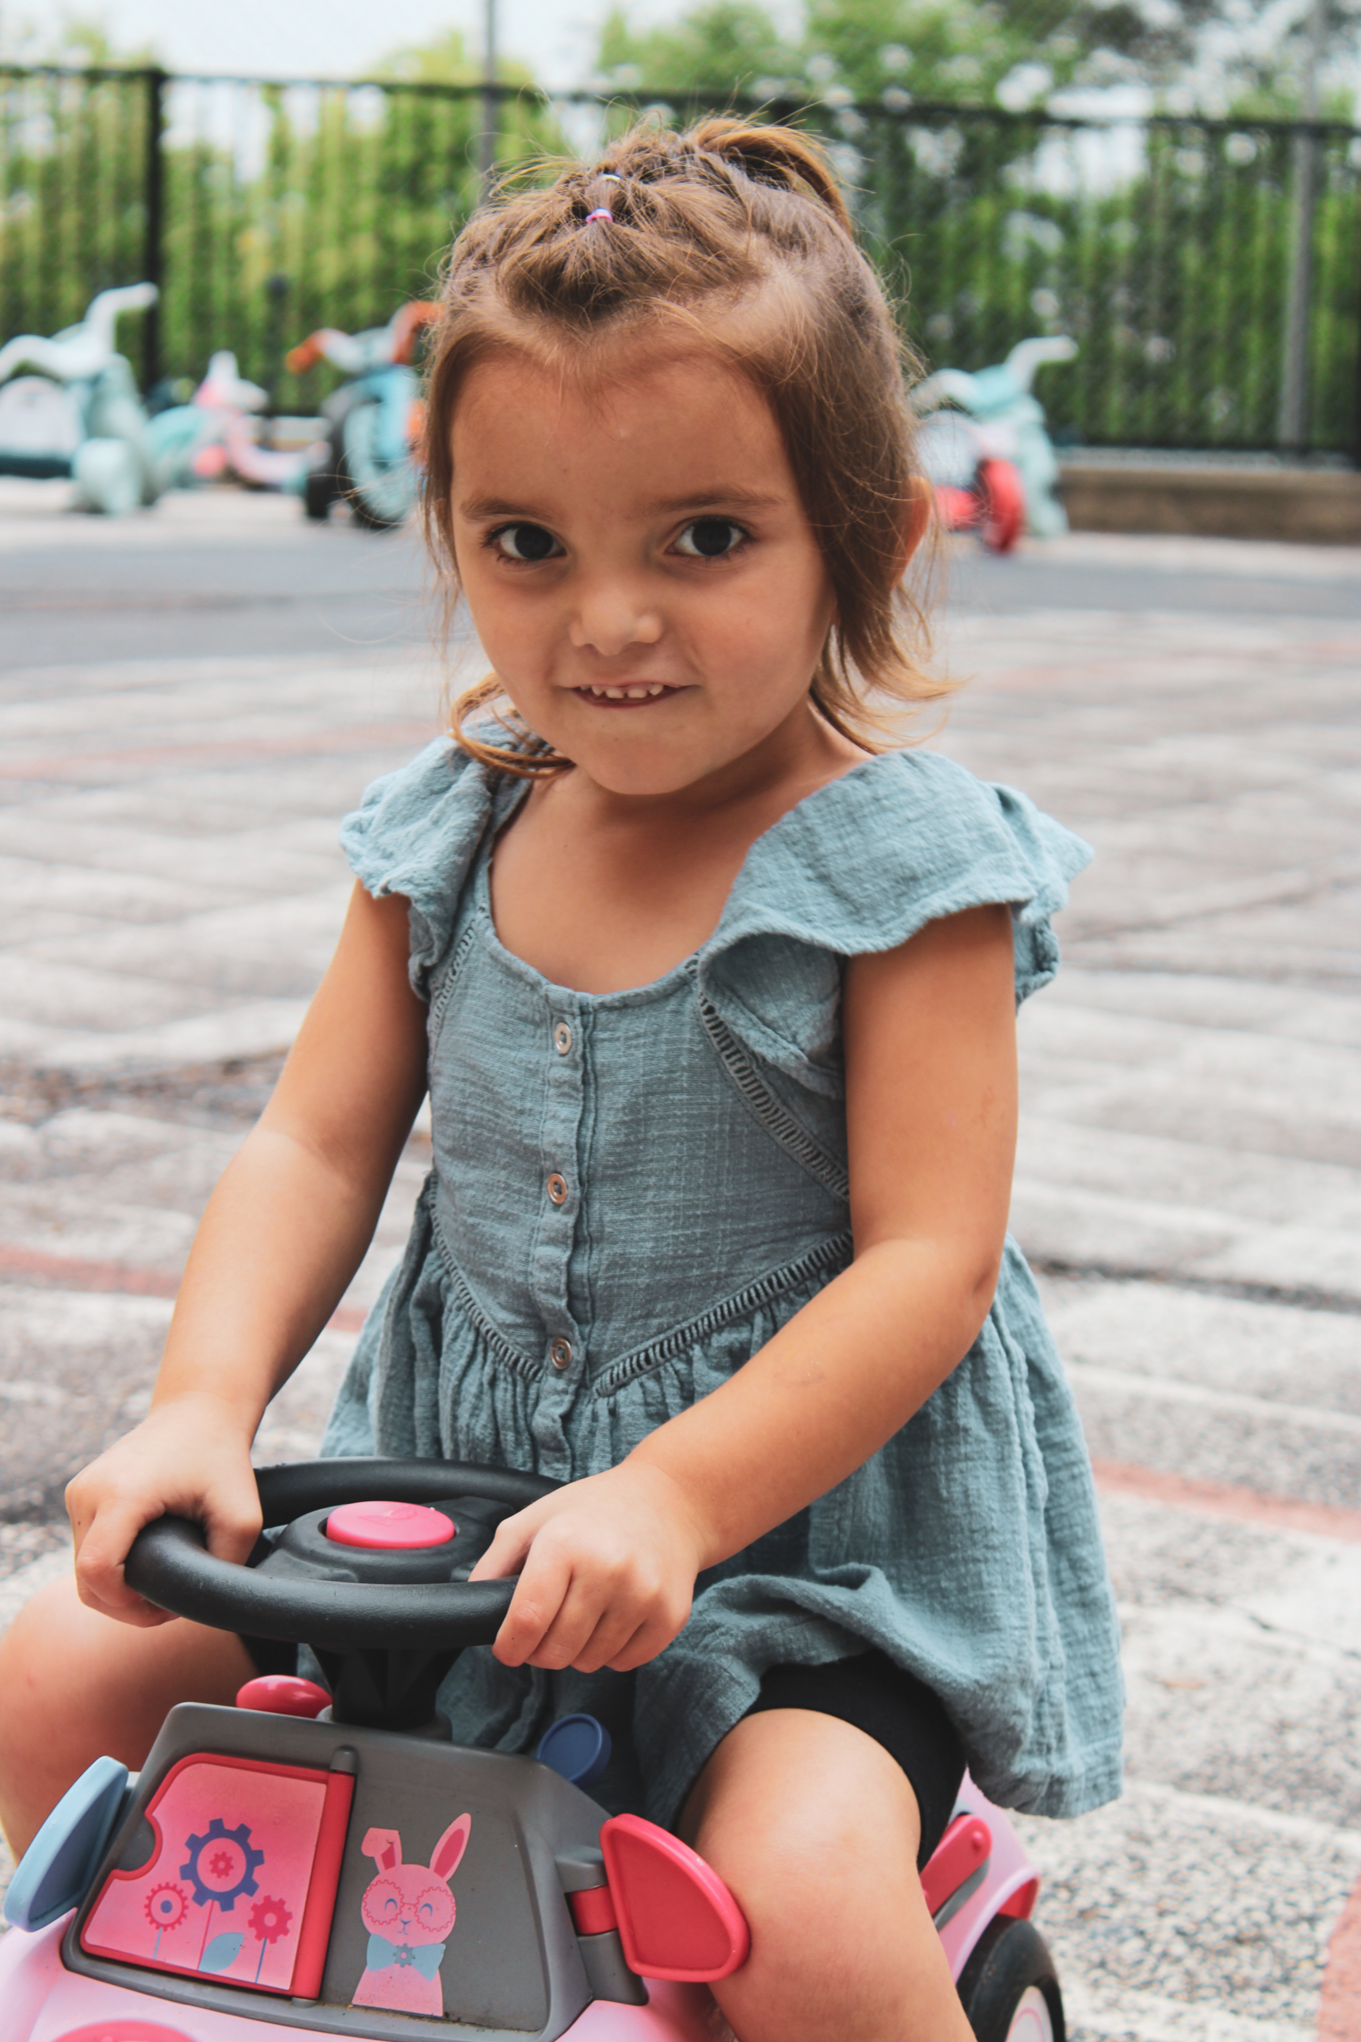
(591, 384)
(678, 410)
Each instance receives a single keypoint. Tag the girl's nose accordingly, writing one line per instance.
(610, 617)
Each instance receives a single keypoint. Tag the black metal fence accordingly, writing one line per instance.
(1210, 270)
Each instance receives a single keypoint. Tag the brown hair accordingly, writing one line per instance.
(738, 235)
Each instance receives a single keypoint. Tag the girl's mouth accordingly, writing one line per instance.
(627, 695)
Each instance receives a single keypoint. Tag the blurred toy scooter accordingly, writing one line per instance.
(213, 438)
(998, 426)
(76, 411)
(369, 459)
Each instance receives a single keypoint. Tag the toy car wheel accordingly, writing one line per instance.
(1009, 1987)
(319, 493)
(1003, 519)
(379, 493)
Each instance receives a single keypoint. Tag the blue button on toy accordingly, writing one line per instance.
(577, 1747)
(55, 1870)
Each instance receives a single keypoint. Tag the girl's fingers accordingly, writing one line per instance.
(611, 1639)
(538, 1597)
(586, 1610)
(233, 1528)
(100, 1580)
(506, 1553)
(647, 1641)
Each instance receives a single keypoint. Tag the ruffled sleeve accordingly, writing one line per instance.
(416, 832)
(861, 866)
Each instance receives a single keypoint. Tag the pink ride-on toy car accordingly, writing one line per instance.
(306, 1865)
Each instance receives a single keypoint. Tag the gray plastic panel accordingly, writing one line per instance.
(513, 1964)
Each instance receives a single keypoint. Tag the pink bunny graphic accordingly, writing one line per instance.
(408, 1911)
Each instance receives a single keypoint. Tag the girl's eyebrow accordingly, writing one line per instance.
(736, 498)
(716, 499)
(493, 507)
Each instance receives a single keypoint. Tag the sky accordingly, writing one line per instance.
(335, 38)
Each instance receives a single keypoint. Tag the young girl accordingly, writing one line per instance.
(713, 992)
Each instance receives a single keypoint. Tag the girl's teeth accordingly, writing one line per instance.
(630, 694)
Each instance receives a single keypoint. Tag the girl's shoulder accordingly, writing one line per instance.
(862, 865)
(417, 832)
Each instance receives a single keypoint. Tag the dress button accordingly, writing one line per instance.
(562, 1038)
(557, 1188)
(560, 1353)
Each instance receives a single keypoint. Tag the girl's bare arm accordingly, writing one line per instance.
(282, 1235)
(931, 1115)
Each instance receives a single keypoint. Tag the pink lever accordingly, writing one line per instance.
(966, 1845)
(389, 1527)
(676, 1917)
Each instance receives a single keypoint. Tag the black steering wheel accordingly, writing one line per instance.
(301, 1587)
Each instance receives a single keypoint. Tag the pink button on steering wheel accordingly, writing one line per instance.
(389, 1527)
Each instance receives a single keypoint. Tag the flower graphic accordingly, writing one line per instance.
(166, 1906)
(270, 1919)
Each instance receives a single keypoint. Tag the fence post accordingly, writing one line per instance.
(1292, 419)
(1356, 423)
(491, 107)
(154, 224)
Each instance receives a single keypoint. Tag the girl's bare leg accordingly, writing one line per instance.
(815, 1829)
(75, 1685)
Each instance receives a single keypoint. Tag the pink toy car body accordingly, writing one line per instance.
(277, 1874)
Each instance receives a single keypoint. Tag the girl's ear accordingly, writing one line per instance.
(919, 505)
(450, 1848)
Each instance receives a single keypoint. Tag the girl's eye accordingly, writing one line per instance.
(710, 538)
(524, 542)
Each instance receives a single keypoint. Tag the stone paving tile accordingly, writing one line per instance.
(65, 995)
(278, 947)
(1245, 1091)
(1191, 1919)
(1075, 1228)
(1200, 1000)
(1153, 1330)
(1067, 1142)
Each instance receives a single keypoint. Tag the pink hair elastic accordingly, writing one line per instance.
(603, 212)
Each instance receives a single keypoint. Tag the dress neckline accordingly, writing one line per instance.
(681, 973)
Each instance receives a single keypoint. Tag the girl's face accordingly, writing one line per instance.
(638, 563)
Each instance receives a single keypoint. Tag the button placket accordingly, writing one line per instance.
(564, 1077)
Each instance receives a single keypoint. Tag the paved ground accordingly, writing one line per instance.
(189, 702)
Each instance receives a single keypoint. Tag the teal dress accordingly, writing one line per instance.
(632, 1192)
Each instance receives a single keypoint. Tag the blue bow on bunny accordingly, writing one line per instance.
(422, 1957)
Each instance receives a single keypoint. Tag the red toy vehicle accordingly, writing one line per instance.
(314, 1865)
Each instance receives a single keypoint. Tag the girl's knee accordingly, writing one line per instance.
(815, 1829)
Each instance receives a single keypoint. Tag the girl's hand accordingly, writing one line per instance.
(607, 1570)
(190, 1458)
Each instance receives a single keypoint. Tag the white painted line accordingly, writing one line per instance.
(1246, 1815)
(1167, 1389)
(33, 1393)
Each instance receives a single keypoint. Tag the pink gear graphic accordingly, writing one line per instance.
(222, 1864)
(166, 1906)
(270, 1919)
